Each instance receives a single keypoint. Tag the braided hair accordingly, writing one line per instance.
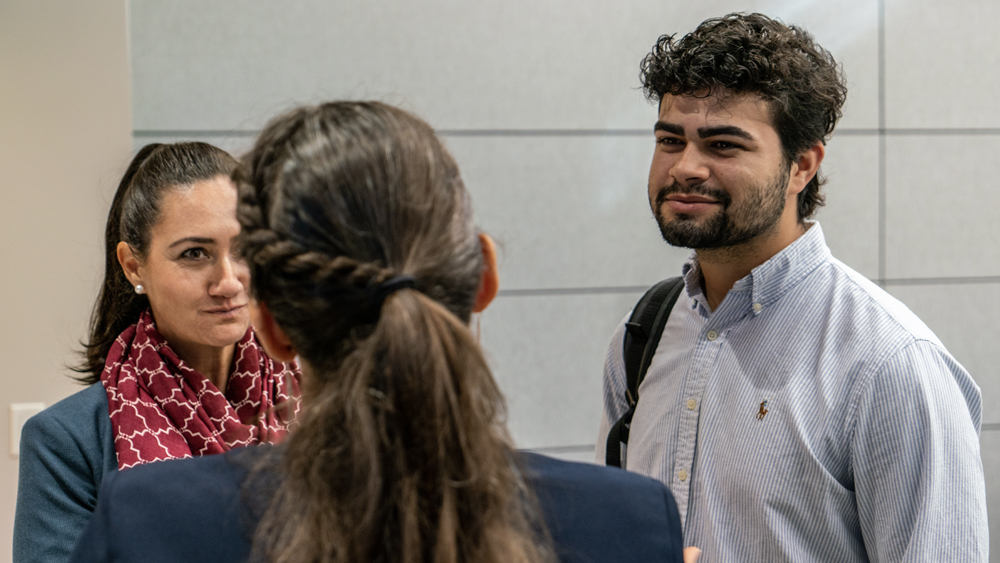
(401, 453)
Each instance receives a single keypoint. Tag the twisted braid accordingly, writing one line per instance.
(298, 282)
(402, 453)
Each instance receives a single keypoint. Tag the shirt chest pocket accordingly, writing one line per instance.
(767, 445)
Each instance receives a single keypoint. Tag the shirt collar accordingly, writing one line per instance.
(772, 279)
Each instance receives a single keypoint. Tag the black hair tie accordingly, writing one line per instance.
(390, 286)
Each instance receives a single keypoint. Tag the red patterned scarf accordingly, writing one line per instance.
(162, 409)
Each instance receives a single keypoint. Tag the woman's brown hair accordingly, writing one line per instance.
(401, 453)
(135, 209)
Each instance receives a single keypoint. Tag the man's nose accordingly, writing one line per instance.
(690, 166)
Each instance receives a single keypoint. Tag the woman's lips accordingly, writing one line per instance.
(226, 311)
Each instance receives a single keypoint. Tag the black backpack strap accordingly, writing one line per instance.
(642, 336)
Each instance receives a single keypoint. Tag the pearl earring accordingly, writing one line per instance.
(139, 289)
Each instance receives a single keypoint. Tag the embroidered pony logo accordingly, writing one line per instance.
(763, 410)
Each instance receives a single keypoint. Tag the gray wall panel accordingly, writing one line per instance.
(850, 217)
(517, 64)
(941, 196)
(941, 64)
(547, 353)
(538, 102)
(567, 212)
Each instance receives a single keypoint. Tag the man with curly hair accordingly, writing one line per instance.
(797, 411)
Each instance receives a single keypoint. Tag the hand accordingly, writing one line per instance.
(691, 554)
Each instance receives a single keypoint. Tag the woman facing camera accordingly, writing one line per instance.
(173, 368)
(365, 263)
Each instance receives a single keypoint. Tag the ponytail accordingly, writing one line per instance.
(402, 454)
(358, 234)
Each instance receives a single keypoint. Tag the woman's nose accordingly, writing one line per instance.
(229, 281)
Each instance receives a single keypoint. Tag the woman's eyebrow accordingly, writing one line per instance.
(196, 240)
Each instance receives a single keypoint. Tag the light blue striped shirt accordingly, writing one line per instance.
(867, 448)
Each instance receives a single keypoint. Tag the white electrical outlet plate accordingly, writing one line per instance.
(19, 414)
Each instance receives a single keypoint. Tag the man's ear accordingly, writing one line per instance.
(489, 283)
(129, 263)
(805, 167)
(271, 336)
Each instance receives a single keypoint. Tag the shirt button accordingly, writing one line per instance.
(712, 335)
(757, 307)
(683, 475)
(692, 404)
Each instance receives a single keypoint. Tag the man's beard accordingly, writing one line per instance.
(730, 226)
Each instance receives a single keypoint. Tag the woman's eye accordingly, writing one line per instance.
(194, 254)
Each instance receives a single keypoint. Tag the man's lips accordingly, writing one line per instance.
(690, 203)
(691, 198)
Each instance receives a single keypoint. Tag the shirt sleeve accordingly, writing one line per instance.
(62, 461)
(615, 384)
(917, 468)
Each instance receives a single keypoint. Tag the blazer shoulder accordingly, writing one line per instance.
(196, 504)
(74, 413)
(597, 513)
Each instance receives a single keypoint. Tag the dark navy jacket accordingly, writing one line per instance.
(191, 510)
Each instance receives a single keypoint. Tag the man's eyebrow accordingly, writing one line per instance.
(728, 130)
(195, 240)
(672, 128)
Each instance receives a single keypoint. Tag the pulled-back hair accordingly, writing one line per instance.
(753, 54)
(134, 212)
(401, 452)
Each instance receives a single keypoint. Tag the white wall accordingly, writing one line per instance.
(538, 100)
(65, 136)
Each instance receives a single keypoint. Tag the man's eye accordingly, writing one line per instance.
(669, 141)
(724, 145)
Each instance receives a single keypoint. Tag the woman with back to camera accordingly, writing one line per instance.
(172, 366)
(365, 263)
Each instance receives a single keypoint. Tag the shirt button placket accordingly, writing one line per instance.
(684, 460)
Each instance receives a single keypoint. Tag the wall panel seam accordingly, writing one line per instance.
(845, 132)
(600, 290)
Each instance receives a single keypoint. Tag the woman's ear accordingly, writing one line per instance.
(272, 338)
(129, 263)
(489, 283)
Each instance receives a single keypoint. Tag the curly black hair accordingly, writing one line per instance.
(741, 54)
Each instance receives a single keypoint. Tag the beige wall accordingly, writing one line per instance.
(65, 136)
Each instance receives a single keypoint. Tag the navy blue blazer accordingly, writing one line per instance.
(191, 510)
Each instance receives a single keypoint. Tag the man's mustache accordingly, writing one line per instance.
(696, 189)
